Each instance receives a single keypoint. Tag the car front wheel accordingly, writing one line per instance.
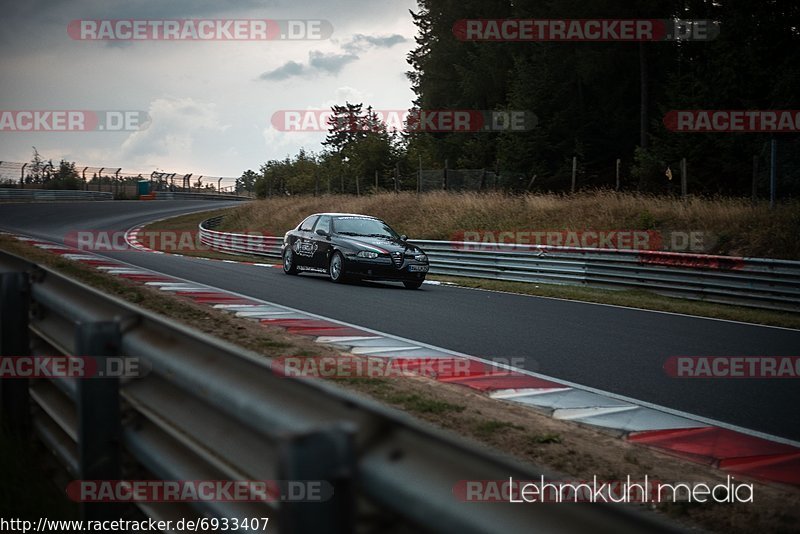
(289, 266)
(336, 268)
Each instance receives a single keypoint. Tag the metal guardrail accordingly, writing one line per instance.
(182, 195)
(753, 282)
(209, 410)
(233, 243)
(37, 195)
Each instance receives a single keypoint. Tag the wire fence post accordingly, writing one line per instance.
(419, 176)
(574, 172)
(684, 178)
(773, 173)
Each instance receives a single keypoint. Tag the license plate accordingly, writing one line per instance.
(418, 268)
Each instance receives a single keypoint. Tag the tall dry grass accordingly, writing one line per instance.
(734, 226)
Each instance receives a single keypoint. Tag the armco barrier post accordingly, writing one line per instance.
(99, 424)
(14, 341)
(326, 456)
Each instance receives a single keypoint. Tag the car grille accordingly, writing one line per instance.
(397, 259)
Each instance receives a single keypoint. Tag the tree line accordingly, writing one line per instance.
(596, 103)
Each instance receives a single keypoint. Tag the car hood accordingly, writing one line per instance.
(371, 243)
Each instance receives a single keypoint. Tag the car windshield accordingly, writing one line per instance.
(359, 226)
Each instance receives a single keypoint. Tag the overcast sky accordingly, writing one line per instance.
(209, 102)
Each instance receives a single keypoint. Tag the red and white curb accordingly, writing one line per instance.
(733, 449)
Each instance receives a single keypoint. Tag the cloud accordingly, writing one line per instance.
(361, 42)
(330, 63)
(333, 63)
(57, 10)
(318, 63)
(42, 24)
(176, 83)
(118, 44)
(171, 134)
(287, 70)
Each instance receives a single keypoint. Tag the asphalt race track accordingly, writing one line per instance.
(618, 350)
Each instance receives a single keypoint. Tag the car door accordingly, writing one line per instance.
(304, 245)
(323, 243)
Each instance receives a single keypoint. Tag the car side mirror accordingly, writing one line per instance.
(404, 237)
(322, 232)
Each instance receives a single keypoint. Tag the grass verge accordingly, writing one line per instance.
(727, 226)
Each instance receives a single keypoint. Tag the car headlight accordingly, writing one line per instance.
(422, 258)
(367, 254)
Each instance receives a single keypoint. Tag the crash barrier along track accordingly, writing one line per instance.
(208, 410)
(38, 195)
(753, 282)
(179, 195)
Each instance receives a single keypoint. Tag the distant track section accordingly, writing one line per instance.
(40, 195)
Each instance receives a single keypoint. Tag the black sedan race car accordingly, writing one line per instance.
(349, 246)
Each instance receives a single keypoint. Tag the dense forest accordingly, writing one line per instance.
(597, 102)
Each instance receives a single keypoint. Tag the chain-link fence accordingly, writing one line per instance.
(465, 180)
(111, 179)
